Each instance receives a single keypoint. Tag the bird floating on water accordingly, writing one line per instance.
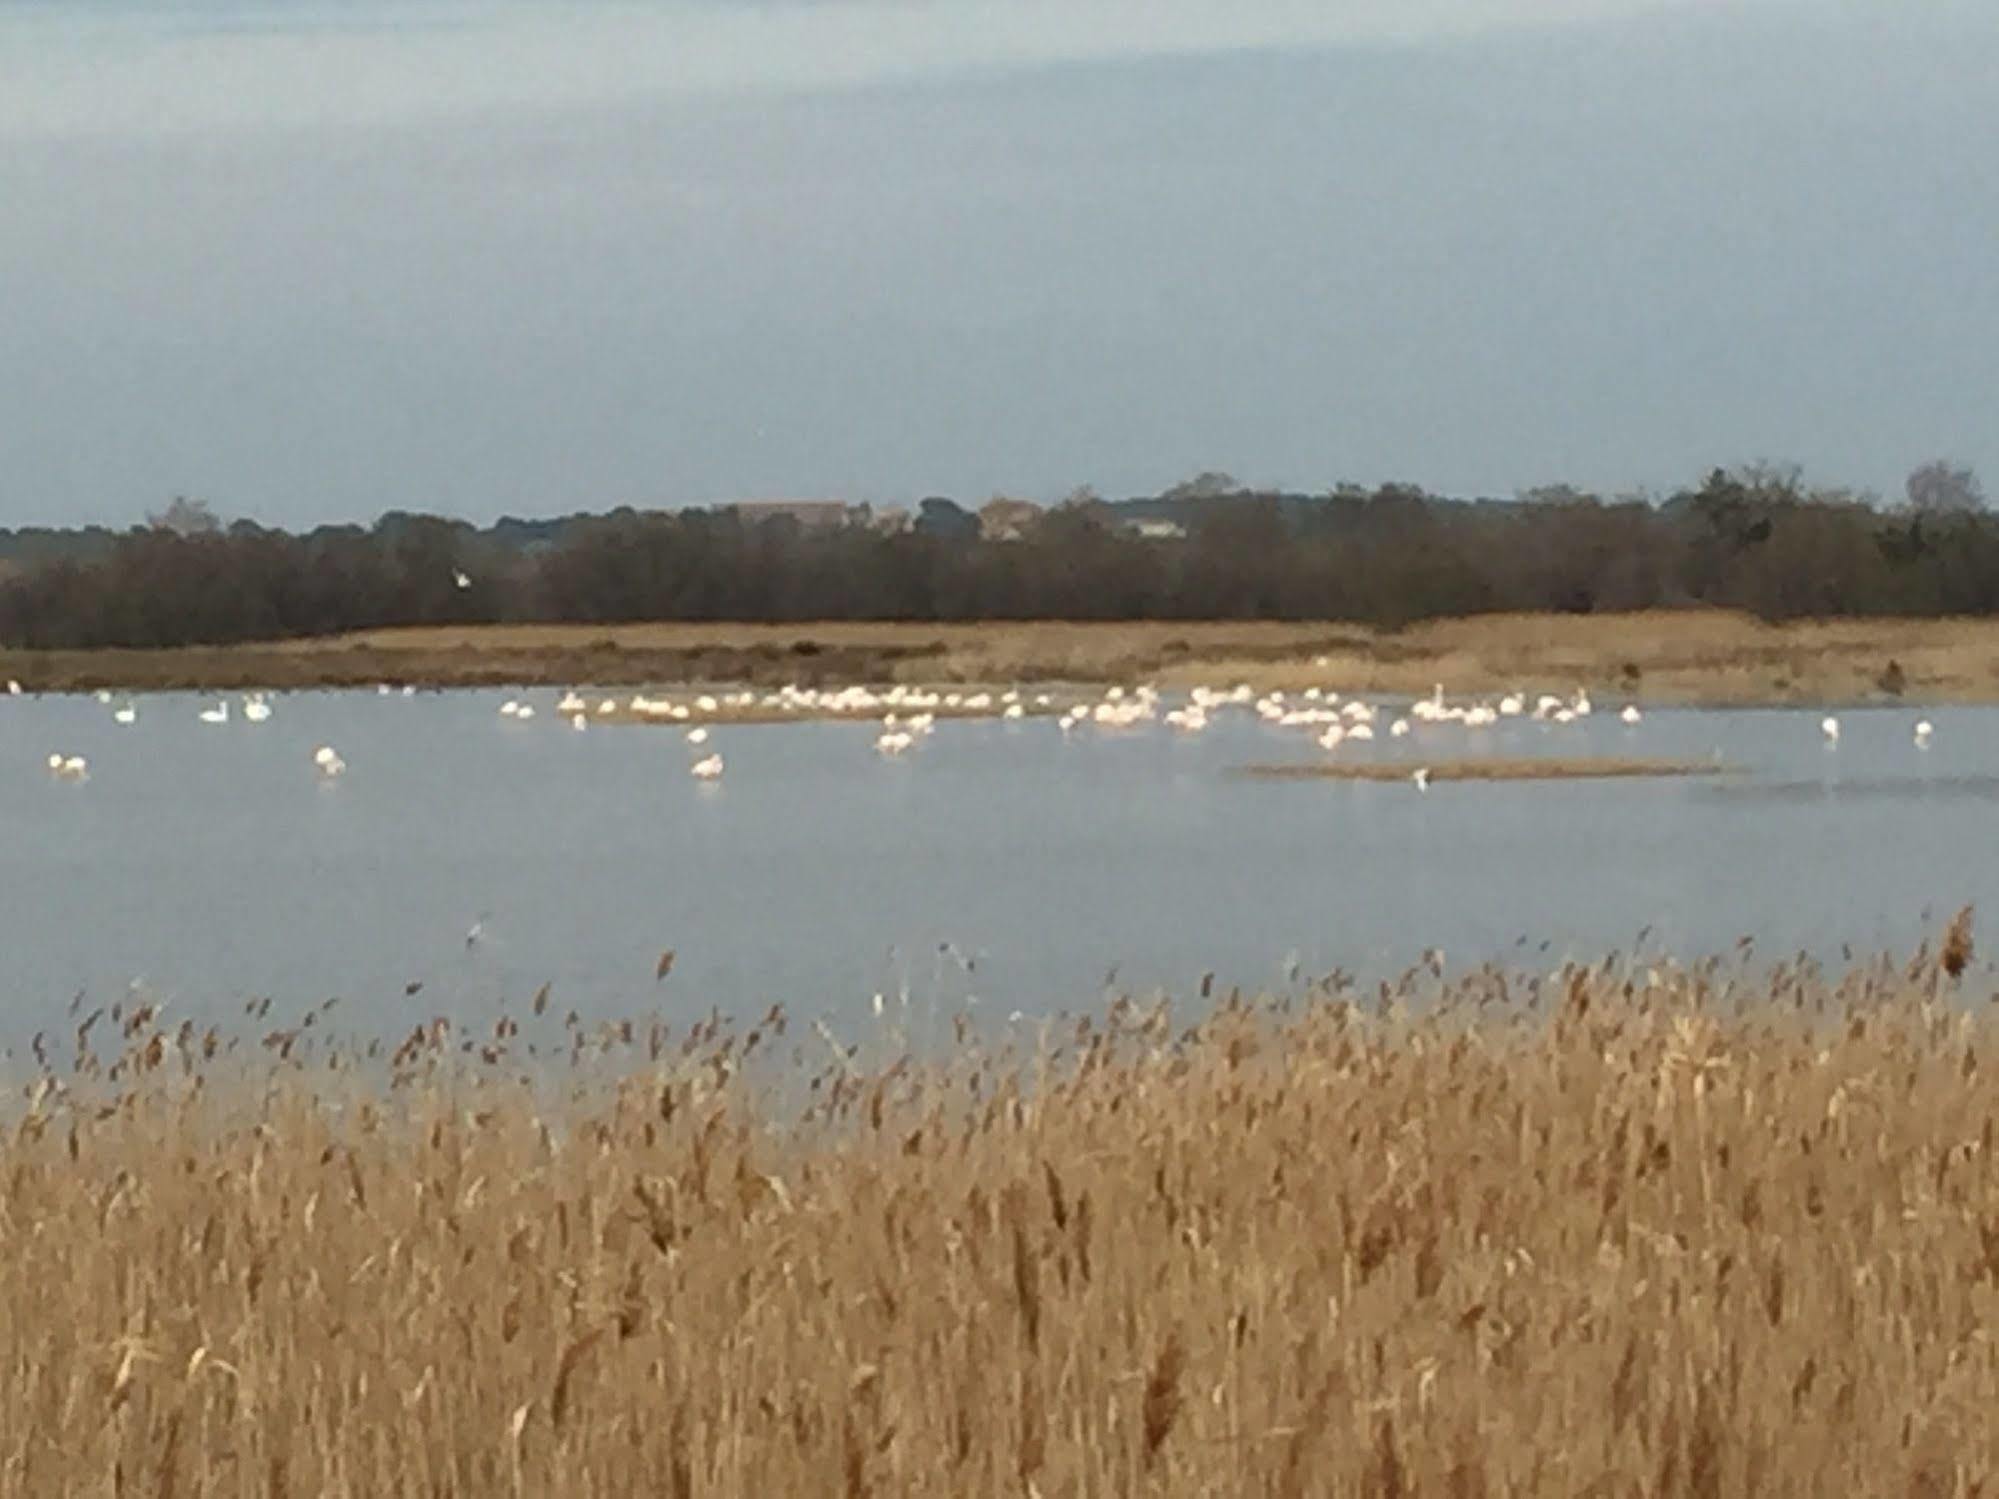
(1829, 726)
(328, 760)
(126, 714)
(255, 709)
(462, 579)
(69, 767)
(709, 769)
(218, 714)
(1924, 729)
(697, 736)
(1421, 778)
(1631, 714)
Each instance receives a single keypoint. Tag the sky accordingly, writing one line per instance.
(315, 261)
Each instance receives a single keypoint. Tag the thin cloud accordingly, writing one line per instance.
(113, 70)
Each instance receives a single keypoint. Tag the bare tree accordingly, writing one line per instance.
(1941, 488)
(185, 517)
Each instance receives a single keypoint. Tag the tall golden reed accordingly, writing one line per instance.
(1617, 1230)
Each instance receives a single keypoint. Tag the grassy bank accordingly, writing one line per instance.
(1617, 1230)
(1691, 657)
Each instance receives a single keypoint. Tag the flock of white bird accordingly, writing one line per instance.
(908, 716)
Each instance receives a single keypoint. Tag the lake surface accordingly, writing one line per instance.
(999, 863)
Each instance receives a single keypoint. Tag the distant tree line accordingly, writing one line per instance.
(1756, 539)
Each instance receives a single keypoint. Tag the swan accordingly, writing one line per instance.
(218, 714)
(461, 579)
(709, 769)
(1630, 715)
(328, 760)
(697, 736)
(1829, 726)
(579, 722)
(126, 714)
(255, 710)
(1421, 778)
(1399, 728)
(526, 711)
(1924, 729)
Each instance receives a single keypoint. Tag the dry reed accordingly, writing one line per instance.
(1618, 1229)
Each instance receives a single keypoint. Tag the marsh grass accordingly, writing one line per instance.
(1629, 1228)
(1694, 656)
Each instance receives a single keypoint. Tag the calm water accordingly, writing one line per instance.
(999, 862)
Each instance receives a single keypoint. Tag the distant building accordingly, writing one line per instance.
(1002, 519)
(813, 515)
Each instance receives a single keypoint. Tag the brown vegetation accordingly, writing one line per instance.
(1695, 656)
(1615, 1230)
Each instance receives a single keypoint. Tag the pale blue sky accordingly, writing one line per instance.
(316, 262)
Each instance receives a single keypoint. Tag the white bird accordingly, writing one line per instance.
(510, 709)
(126, 714)
(1631, 713)
(570, 703)
(13, 688)
(218, 714)
(697, 736)
(1397, 729)
(894, 742)
(526, 711)
(1829, 726)
(69, 767)
(461, 579)
(327, 758)
(709, 769)
(1923, 731)
(256, 710)
(1421, 778)
(578, 722)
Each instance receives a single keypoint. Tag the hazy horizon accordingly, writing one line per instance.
(314, 264)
